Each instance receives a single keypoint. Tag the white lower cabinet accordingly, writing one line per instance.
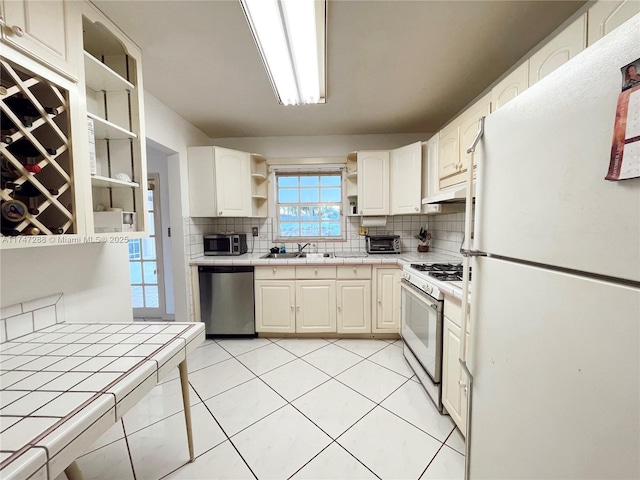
(387, 300)
(315, 299)
(316, 306)
(275, 306)
(454, 386)
(353, 299)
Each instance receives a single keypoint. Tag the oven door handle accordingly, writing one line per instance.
(422, 296)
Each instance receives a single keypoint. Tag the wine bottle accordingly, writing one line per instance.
(28, 189)
(56, 230)
(23, 106)
(31, 231)
(7, 139)
(25, 148)
(10, 232)
(7, 125)
(13, 212)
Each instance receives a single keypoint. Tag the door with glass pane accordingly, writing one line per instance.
(145, 261)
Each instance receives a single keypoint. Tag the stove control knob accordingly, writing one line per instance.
(427, 288)
(406, 275)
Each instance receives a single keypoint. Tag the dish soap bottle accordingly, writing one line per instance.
(283, 249)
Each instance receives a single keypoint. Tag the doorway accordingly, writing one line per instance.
(146, 267)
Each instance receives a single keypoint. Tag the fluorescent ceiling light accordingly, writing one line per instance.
(290, 35)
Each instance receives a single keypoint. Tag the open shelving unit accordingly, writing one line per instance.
(259, 186)
(112, 79)
(351, 181)
(37, 190)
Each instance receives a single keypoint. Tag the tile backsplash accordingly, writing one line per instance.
(26, 317)
(446, 231)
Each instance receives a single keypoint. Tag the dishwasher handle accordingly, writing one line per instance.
(225, 269)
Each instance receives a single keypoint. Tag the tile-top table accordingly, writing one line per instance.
(63, 386)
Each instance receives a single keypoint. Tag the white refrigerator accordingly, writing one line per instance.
(555, 307)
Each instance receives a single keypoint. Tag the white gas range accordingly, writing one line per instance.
(422, 318)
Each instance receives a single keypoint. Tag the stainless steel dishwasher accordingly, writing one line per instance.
(227, 300)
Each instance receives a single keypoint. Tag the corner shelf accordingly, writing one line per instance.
(261, 198)
(258, 177)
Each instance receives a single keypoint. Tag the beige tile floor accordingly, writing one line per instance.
(285, 408)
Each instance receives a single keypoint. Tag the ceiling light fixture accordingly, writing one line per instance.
(290, 35)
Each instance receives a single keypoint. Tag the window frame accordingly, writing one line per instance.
(340, 203)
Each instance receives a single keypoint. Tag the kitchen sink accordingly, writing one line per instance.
(298, 255)
(315, 255)
(281, 255)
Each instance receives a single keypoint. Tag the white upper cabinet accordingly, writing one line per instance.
(202, 185)
(469, 123)
(233, 183)
(406, 179)
(448, 152)
(46, 30)
(510, 87)
(220, 182)
(606, 15)
(564, 46)
(373, 182)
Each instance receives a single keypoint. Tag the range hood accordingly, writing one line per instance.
(454, 194)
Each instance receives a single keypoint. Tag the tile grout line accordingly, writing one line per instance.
(126, 441)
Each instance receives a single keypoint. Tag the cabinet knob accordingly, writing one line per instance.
(298, 307)
(339, 308)
(292, 308)
(355, 270)
(379, 302)
(17, 31)
(360, 212)
(462, 385)
(275, 270)
(417, 209)
(220, 213)
(315, 271)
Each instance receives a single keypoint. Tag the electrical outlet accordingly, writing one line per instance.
(254, 231)
(363, 230)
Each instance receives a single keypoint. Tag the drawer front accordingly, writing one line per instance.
(453, 311)
(311, 272)
(276, 272)
(351, 272)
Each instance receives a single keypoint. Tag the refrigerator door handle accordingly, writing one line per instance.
(467, 443)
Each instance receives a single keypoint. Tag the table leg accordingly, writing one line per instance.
(184, 382)
(73, 472)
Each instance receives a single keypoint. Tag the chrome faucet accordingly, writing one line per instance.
(302, 247)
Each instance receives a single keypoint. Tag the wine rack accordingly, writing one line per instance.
(37, 188)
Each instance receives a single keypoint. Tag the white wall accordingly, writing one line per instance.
(171, 134)
(94, 279)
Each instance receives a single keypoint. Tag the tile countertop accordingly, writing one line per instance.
(342, 258)
(63, 386)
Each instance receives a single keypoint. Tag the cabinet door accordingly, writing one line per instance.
(406, 179)
(606, 15)
(275, 306)
(510, 87)
(202, 198)
(387, 301)
(354, 306)
(316, 306)
(233, 183)
(449, 152)
(430, 178)
(373, 183)
(469, 122)
(47, 30)
(564, 46)
(453, 394)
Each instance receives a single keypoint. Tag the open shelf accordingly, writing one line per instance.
(258, 177)
(99, 76)
(105, 130)
(259, 197)
(106, 182)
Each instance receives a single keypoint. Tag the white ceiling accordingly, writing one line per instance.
(393, 66)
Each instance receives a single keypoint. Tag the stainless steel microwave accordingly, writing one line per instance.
(383, 244)
(225, 244)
